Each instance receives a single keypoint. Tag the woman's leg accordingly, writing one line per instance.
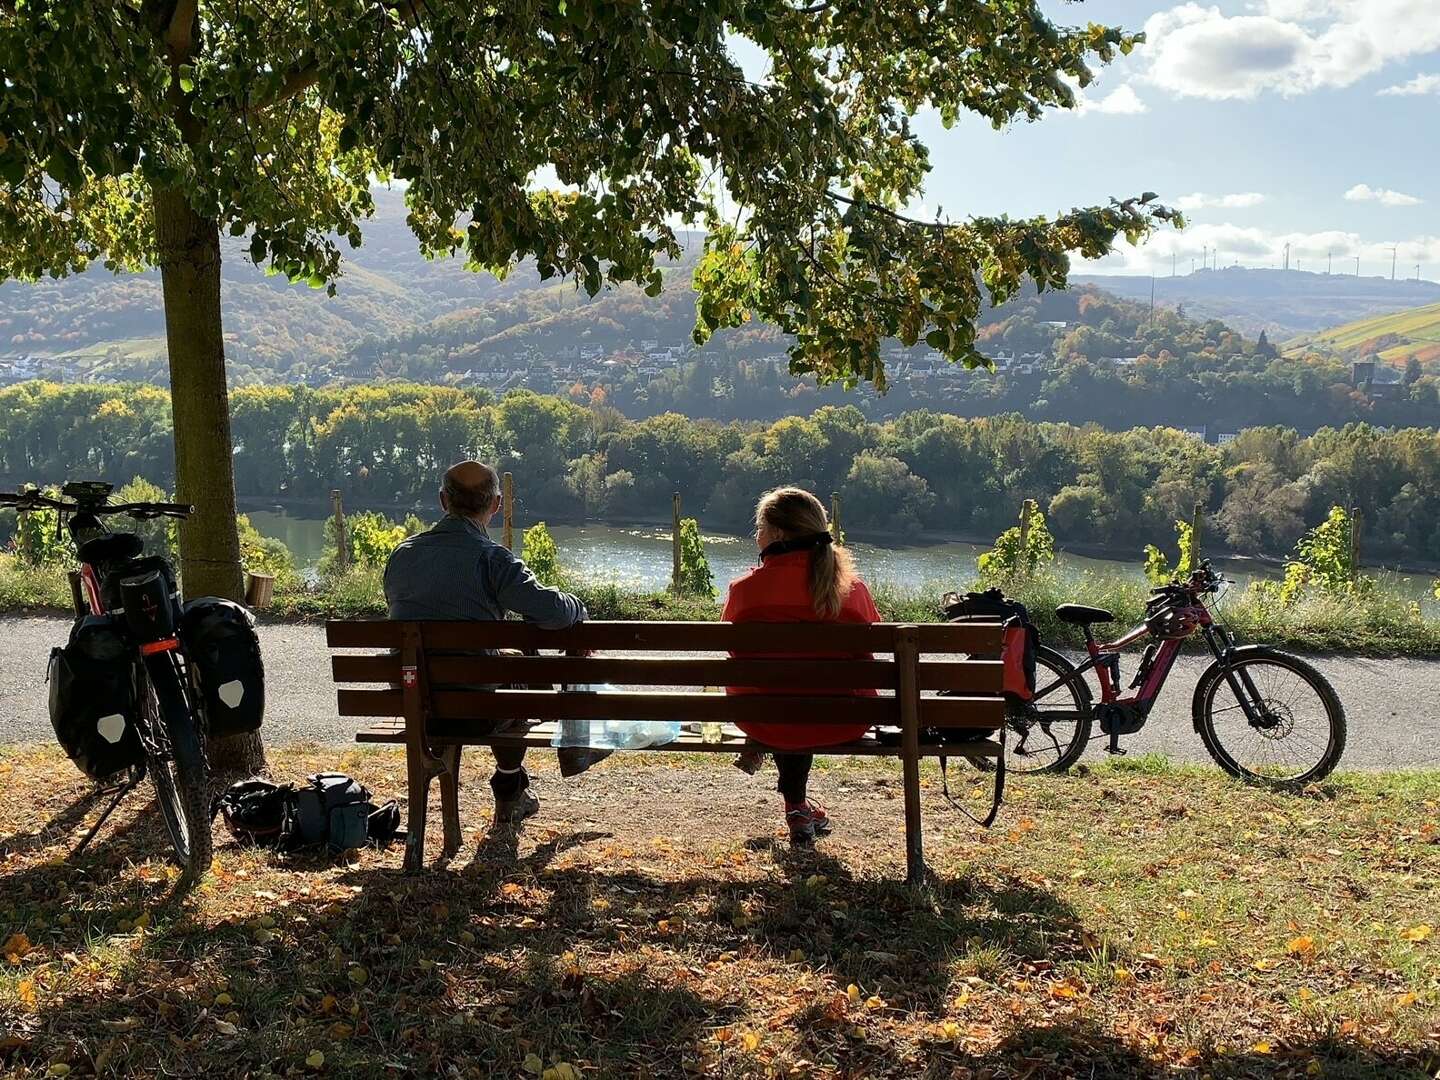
(805, 819)
(794, 770)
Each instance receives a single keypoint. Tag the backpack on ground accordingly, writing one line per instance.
(332, 810)
(1019, 638)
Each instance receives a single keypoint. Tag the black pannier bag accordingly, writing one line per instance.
(1020, 638)
(220, 640)
(93, 704)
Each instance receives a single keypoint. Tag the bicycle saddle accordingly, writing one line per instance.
(111, 548)
(1080, 615)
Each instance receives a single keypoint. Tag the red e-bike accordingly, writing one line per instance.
(1263, 715)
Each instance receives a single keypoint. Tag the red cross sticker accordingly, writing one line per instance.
(407, 674)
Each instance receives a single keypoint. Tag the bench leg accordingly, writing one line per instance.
(419, 795)
(450, 798)
(914, 844)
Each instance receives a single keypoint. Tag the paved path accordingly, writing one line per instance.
(1393, 706)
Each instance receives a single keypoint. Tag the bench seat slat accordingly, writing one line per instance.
(539, 737)
(961, 712)
(984, 676)
(983, 638)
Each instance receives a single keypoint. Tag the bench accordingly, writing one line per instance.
(418, 682)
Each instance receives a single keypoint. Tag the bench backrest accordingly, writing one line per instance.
(909, 662)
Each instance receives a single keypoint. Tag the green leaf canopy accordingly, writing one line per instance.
(579, 133)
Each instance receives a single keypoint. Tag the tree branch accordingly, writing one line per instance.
(939, 225)
(179, 36)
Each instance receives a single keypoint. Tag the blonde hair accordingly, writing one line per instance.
(793, 513)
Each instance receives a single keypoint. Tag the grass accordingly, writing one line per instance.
(1381, 624)
(1132, 920)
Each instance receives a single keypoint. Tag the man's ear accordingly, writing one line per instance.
(444, 502)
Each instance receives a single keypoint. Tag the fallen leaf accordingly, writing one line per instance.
(750, 1041)
(58, 1069)
(1261, 1048)
(532, 1064)
(25, 991)
(1302, 947)
(315, 1059)
(16, 948)
(358, 975)
(224, 999)
(853, 993)
(226, 1028)
(724, 1035)
(1406, 999)
(797, 956)
(1416, 933)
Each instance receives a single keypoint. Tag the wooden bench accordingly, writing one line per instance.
(424, 686)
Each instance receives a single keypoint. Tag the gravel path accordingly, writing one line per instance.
(1391, 705)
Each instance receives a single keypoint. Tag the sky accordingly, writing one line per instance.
(1312, 122)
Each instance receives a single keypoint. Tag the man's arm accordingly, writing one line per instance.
(517, 589)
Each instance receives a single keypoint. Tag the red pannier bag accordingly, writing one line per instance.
(1018, 638)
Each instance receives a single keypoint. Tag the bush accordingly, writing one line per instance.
(538, 549)
(39, 538)
(1324, 565)
(1006, 562)
(1157, 566)
(370, 538)
(695, 576)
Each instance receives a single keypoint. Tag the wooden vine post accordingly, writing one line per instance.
(675, 543)
(1197, 532)
(1356, 521)
(1022, 561)
(835, 529)
(507, 508)
(342, 543)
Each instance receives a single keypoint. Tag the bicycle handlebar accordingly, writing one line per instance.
(29, 501)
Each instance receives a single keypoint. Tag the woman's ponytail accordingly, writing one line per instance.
(794, 513)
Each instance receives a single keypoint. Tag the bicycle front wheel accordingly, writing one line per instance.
(1048, 733)
(178, 768)
(1270, 717)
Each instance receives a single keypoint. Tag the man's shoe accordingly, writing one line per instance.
(511, 812)
(575, 760)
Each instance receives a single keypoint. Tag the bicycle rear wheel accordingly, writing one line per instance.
(1270, 717)
(178, 768)
(1047, 734)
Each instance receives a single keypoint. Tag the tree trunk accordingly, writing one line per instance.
(189, 250)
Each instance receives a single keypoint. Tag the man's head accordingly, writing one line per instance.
(471, 489)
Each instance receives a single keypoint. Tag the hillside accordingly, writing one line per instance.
(1394, 338)
(1283, 303)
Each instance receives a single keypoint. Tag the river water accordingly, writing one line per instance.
(639, 556)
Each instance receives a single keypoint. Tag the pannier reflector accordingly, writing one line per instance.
(111, 728)
(231, 693)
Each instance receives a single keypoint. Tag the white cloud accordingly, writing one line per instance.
(1420, 84)
(1384, 196)
(1291, 47)
(1237, 201)
(1122, 101)
(1252, 247)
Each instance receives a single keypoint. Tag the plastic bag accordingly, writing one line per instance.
(612, 734)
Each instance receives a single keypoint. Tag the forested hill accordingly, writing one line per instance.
(1283, 303)
(275, 331)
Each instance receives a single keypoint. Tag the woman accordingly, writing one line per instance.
(803, 576)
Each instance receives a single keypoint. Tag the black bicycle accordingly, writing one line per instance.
(123, 696)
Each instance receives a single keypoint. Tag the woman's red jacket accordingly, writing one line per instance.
(779, 591)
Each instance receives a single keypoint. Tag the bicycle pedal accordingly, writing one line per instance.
(1116, 751)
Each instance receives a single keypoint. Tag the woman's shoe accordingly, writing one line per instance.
(806, 821)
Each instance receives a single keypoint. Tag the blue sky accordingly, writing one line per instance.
(1313, 122)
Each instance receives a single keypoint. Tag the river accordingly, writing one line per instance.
(639, 556)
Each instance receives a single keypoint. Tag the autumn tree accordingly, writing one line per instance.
(570, 132)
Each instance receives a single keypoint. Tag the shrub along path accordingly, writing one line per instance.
(1127, 921)
(1394, 721)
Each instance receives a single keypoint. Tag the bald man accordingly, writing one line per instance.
(456, 571)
